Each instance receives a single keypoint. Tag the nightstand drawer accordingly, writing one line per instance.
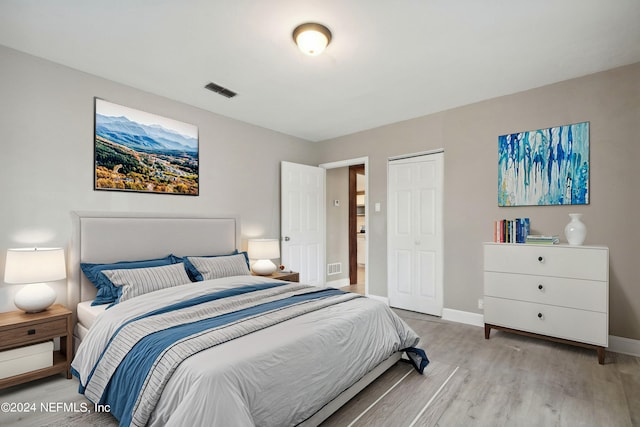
(291, 276)
(33, 333)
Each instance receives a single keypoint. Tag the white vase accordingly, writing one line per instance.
(575, 231)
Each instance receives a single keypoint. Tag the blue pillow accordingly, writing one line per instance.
(107, 291)
(193, 272)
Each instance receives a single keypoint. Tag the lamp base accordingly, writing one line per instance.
(264, 267)
(34, 297)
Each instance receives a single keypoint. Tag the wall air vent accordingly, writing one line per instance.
(334, 268)
(220, 90)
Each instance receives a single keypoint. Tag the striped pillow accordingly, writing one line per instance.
(222, 266)
(138, 281)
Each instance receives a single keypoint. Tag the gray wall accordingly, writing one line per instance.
(610, 101)
(338, 221)
(46, 119)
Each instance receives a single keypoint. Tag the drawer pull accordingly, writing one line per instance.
(31, 332)
(540, 259)
(540, 287)
(539, 315)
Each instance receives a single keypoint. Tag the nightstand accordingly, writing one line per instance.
(18, 329)
(289, 277)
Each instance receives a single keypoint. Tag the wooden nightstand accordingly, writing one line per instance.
(18, 329)
(289, 277)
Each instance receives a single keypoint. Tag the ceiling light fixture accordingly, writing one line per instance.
(312, 38)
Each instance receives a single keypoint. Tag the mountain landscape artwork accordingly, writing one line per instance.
(143, 152)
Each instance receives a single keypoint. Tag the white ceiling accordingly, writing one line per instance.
(389, 60)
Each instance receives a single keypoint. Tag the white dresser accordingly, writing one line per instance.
(556, 292)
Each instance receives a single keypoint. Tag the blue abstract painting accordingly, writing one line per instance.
(544, 167)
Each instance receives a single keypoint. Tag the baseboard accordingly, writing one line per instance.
(340, 283)
(466, 317)
(624, 345)
(621, 345)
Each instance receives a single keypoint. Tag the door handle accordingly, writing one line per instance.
(286, 238)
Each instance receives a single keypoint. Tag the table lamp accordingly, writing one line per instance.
(33, 266)
(264, 250)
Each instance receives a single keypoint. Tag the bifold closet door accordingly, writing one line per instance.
(414, 233)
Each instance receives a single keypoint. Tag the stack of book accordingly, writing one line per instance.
(539, 239)
(511, 230)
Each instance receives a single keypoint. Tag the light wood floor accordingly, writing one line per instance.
(358, 288)
(508, 380)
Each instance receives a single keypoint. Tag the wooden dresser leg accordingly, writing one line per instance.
(487, 331)
(600, 355)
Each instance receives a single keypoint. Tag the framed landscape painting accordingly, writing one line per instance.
(544, 167)
(143, 152)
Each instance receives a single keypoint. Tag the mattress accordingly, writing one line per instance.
(87, 314)
(79, 332)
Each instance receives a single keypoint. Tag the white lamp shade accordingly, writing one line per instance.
(34, 265)
(264, 248)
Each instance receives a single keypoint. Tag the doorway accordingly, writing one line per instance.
(357, 228)
(354, 275)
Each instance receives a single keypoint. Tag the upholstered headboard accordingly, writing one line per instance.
(109, 237)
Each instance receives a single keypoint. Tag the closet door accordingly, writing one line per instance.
(414, 233)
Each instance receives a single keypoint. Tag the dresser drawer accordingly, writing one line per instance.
(575, 293)
(33, 333)
(591, 263)
(561, 322)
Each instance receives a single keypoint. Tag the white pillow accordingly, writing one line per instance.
(221, 266)
(138, 281)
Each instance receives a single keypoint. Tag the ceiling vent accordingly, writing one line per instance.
(220, 90)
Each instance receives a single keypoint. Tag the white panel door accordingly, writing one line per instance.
(414, 233)
(302, 211)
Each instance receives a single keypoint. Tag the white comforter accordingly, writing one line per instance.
(274, 377)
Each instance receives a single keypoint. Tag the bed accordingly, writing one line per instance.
(295, 356)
